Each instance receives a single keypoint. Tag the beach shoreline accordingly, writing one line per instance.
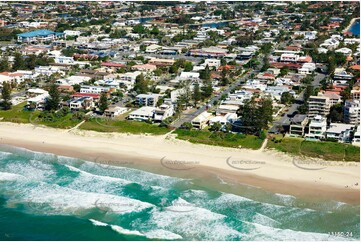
(269, 170)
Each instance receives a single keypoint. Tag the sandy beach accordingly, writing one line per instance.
(270, 170)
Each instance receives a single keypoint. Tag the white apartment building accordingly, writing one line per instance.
(317, 128)
(72, 33)
(48, 70)
(128, 79)
(356, 137)
(318, 105)
(93, 89)
(289, 57)
(212, 63)
(149, 100)
(351, 112)
(64, 60)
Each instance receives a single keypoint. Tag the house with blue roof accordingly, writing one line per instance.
(40, 35)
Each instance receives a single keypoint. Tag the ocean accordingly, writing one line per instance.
(49, 197)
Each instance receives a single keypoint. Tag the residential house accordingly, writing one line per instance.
(298, 125)
(38, 102)
(307, 68)
(209, 52)
(161, 62)
(340, 132)
(114, 111)
(228, 118)
(82, 103)
(345, 51)
(163, 111)
(225, 109)
(201, 121)
(212, 63)
(341, 74)
(142, 114)
(145, 67)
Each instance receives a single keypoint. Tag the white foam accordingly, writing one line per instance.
(126, 231)
(60, 200)
(198, 224)
(4, 154)
(261, 232)
(265, 220)
(5, 176)
(153, 234)
(29, 171)
(98, 223)
(162, 234)
(104, 178)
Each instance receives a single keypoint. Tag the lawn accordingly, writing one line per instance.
(325, 150)
(17, 114)
(65, 122)
(133, 127)
(289, 145)
(220, 139)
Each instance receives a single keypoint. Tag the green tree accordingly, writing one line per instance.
(207, 89)
(54, 99)
(255, 116)
(336, 113)
(4, 65)
(18, 62)
(139, 29)
(217, 126)
(187, 125)
(155, 31)
(284, 71)
(196, 94)
(188, 66)
(6, 96)
(141, 84)
(205, 74)
(302, 109)
(103, 102)
(173, 68)
(286, 98)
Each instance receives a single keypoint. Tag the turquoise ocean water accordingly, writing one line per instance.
(49, 197)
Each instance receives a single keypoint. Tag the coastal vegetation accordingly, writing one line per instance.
(133, 127)
(220, 138)
(325, 150)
